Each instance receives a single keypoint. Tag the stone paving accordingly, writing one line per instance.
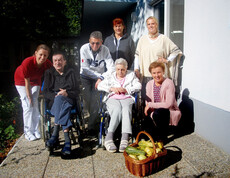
(188, 156)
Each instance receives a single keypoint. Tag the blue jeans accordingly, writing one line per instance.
(61, 110)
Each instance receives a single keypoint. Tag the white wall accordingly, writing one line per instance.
(206, 70)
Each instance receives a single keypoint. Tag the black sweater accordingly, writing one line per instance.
(53, 81)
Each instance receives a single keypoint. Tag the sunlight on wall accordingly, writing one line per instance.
(206, 70)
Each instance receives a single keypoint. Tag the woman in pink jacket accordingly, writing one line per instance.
(161, 104)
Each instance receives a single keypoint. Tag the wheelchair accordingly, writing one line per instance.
(105, 118)
(77, 119)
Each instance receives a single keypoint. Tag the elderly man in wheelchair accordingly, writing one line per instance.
(61, 90)
(119, 88)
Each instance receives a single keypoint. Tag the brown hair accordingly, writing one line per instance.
(156, 64)
(43, 46)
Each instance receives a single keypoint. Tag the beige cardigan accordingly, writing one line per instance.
(149, 51)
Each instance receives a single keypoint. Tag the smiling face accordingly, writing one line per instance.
(158, 75)
(152, 26)
(59, 62)
(95, 43)
(118, 29)
(41, 56)
(121, 71)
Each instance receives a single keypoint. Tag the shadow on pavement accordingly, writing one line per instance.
(174, 155)
(87, 149)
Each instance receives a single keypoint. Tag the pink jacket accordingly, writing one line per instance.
(167, 94)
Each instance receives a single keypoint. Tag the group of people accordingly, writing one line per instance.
(116, 67)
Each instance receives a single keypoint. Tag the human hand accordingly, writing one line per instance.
(118, 90)
(96, 84)
(146, 109)
(30, 101)
(163, 60)
(122, 90)
(62, 92)
(137, 72)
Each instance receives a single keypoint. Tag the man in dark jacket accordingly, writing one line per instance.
(61, 90)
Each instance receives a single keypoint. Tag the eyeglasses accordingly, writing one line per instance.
(95, 43)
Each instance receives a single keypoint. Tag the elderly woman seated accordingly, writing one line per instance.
(119, 88)
(161, 104)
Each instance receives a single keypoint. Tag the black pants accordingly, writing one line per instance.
(158, 126)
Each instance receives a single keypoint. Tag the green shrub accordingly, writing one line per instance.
(9, 110)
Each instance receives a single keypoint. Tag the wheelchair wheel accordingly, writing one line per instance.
(45, 122)
(104, 125)
(80, 114)
(42, 119)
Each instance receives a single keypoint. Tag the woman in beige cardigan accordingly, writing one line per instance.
(161, 105)
(153, 47)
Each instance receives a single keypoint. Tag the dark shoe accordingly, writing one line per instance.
(67, 149)
(53, 142)
(92, 133)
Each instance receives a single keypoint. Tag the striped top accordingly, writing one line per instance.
(156, 93)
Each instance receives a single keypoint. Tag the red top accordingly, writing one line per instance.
(29, 69)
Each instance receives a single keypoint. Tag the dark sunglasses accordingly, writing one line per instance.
(93, 43)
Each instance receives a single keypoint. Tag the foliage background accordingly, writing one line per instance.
(10, 120)
(24, 25)
(28, 23)
(40, 19)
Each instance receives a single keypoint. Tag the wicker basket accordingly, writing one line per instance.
(147, 166)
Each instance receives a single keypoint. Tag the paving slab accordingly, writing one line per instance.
(188, 156)
(27, 159)
(203, 155)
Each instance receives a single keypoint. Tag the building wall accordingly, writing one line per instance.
(206, 71)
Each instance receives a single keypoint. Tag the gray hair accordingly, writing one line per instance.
(121, 61)
(96, 34)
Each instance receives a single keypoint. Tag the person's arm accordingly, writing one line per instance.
(169, 95)
(132, 52)
(149, 91)
(104, 85)
(48, 86)
(97, 82)
(28, 90)
(135, 85)
(74, 90)
(85, 65)
(109, 63)
(174, 50)
(136, 60)
(137, 67)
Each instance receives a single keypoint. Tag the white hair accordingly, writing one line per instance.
(121, 61)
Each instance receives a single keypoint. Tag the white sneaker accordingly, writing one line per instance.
(37, 135)
(30, 137)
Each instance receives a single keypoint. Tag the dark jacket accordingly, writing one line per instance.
(126, 48)
(53, 81)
